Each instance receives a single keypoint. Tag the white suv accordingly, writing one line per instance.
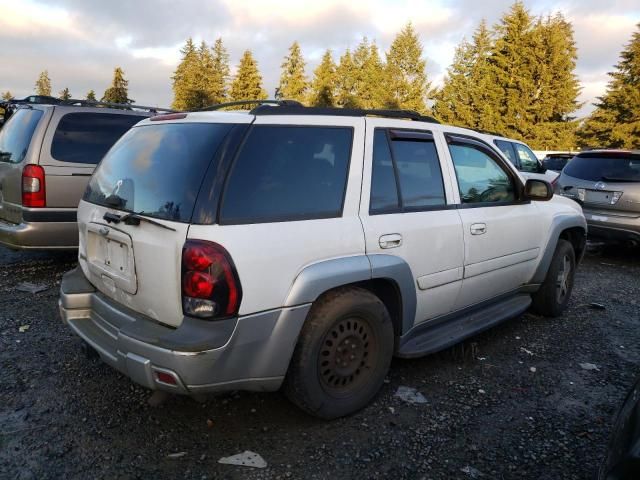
(304, 247)
(523, 158)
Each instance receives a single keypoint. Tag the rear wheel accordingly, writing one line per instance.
(554, 294)
(343, 354)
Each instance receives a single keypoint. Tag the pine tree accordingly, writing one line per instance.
(217, 82)
(43, 84)
(65, 94)
(345, 84)
(118, 91)
(202, 76)
(293, 82)
(7, 95)
(514, 60)
(369, 74)
(556, 86)
(247, 84)
(323, 83)
(615, 123)
(91, 96)
(407, 84)
(185, 77)
(470, 96)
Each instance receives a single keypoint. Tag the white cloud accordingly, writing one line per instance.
(81, 41)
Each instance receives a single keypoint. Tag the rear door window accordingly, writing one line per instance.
(288, 173)
(16, 135)
(406, 173)
(157, 170)
(84, 137)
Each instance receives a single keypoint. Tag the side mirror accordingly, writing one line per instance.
(538, 190)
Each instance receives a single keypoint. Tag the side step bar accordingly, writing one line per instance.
(438, 334)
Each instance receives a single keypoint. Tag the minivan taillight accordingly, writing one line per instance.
(33, 188)
(210, 284)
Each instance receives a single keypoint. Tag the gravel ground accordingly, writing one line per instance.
(513, 402)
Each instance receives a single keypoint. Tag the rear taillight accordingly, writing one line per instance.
(33, 188)
(210, 284)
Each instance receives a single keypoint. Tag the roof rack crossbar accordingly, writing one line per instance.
(344, 112)
(280, 103)
(128, 106)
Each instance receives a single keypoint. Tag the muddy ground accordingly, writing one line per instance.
(511, 403)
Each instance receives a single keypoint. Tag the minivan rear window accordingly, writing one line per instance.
(618, 168)
(15, 136)
(84, 137)
(157, 170)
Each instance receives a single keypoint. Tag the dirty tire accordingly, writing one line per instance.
(343, 354)
(548, 301)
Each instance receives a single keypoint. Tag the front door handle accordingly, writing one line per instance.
(391, 240)
(478, 229)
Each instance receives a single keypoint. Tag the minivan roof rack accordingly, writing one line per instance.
(31, 99)
(343, 112)
(47, 100)
(280, 103)
(124, 106)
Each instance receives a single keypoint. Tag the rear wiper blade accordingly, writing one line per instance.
(133, 218)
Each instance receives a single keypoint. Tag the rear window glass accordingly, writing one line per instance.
(157, 170)
(611, 169)
(15, 136)
(86, 137)
(288, 173)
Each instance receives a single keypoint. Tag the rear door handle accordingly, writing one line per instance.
(390, 240)
(478, 228)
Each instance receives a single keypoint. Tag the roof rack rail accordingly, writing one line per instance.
(31, 99)
(124, 106)
(344, 112)
(280, 103)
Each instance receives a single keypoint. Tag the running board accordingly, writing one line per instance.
(438, 334)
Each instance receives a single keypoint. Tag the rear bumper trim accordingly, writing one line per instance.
(39, 235)
(250, 352)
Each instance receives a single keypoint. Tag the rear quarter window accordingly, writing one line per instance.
(285, 173)
(15, 136)
(86, 137)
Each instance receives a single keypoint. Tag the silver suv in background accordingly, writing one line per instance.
(523, 158)
(607, 185)
(48, 151)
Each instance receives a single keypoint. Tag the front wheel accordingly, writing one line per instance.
(342, 355)
(554, 294)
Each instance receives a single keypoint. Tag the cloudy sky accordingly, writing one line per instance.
(81, 41)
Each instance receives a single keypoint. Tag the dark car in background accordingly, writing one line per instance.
(49, 149)
(622, 460)
(556, 161)
(607, 185)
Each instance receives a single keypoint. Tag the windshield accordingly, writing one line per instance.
(612, 169)
(15, 136)
(157, 170)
